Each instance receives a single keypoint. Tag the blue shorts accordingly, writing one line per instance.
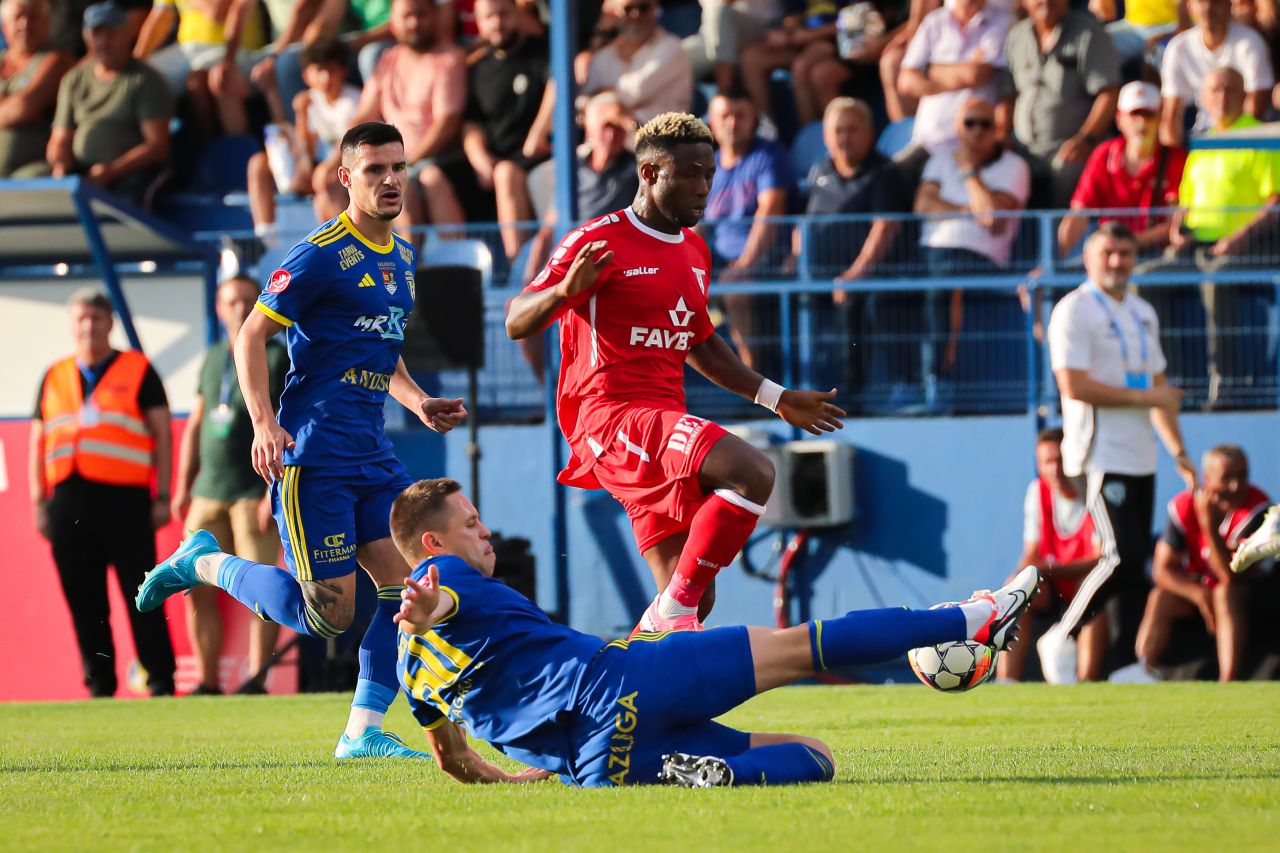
(642, 699)
(324, 513)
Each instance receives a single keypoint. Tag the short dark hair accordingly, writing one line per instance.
(1117, 231)
(325, 52)
(733, 92)
(371, 133)
(416, 510)
(1052, 434)
(663, 134)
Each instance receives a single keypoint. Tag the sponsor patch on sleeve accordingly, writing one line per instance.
(279, 281)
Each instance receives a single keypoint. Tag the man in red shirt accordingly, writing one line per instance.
(1122, 173)
(630, 290)
(1192, 565)
(1058, 539)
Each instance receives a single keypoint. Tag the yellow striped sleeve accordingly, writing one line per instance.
(273, 314)
(437, 724)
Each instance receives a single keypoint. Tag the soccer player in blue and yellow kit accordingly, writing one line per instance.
(342, 296)
(477, 657)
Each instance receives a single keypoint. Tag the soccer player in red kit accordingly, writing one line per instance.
(630, 290)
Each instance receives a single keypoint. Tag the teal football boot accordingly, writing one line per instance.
(176, 574)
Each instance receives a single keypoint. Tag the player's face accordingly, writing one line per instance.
(1049, 464)
(90, 328)
(1226, 481)
(464, 535)
(1109, 262)
(375, 179)
(678, 186)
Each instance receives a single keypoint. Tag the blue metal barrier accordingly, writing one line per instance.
(905, 342)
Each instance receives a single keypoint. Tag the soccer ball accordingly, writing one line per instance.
(953, 667)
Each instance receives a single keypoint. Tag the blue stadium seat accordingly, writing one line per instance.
(805, 151)
(895, 137)
(222, 165)
(682, 19)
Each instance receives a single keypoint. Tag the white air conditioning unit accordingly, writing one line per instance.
(814, 484)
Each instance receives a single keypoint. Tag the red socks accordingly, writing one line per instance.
(719, 531)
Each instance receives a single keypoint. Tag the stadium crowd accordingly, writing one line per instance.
(963, 112)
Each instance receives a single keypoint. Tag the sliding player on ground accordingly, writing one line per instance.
(478, 658)
(630, 290)
(343, 297)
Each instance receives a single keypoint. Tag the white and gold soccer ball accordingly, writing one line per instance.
(953, 667)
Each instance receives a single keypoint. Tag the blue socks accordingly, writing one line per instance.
(780, 764)
(272, 594)
(378, 683)
(873, 636)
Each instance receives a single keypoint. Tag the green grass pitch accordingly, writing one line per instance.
(1098, 767)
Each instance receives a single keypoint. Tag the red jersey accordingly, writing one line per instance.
(1106, 182)
(1063, 547)
(1184, 534)
(624, 341)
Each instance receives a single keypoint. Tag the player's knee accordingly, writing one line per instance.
(757, 475)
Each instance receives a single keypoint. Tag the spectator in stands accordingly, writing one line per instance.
(420, 87)
(1104, 347)
(277, 70)
(1214, 179)
(506, 87)
(952, 57)
(963, 188)
(67, 16)
(29, 75)
(644, 64)
(323, 113)
(218, 490)
(1214, 42)
(1132, 171)
(1264, 17)
(728, 27)
(1144, 25)
(607, 182)
(804, 40)
(112, 119)
(856, 179)
(1192, 564)
(752, 185)
(210, 60)
(897, 105)
(1059, 540)
(1064, 81)
(100, 435)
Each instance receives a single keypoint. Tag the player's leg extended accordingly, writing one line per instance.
(1010, 664)
(770, 759)
(738, 479)
(662, 560)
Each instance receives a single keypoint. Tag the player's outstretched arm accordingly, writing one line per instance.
(811, 411)
(532, 311)
(456, 757)
(421, 604)
(269, 439)
(438, 413)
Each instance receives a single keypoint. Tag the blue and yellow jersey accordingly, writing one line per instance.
(345, 301)
(497, 666)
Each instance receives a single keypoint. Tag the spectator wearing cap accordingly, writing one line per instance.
(954, 55)
(646, 65)
(1133, 170)
(1064, 79)
(29, 75)
(1214, 42)
(751, 188)
(1192, 563)
(112, 120)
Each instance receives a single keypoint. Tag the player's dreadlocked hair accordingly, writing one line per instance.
(416, 510)
(662, 134)
(371, 133)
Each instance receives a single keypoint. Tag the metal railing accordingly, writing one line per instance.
(930, 332)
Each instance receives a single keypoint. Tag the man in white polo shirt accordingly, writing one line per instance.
(1104, 347)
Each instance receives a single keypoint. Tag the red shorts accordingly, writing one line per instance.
(648, 459)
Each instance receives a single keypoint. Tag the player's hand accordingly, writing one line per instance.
(530, 774)
(1187, 470)
(419, 600)
(1204, 602)
(269, 444)
(441, 414)
(181, 503)
(586, 267)
(1164, 397)
(42, 518)
(811, 411)
(160, 515)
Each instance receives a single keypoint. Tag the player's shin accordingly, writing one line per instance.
(780, 764)
(269, 591)
(378, 684)
(874, 636)
(719, 531)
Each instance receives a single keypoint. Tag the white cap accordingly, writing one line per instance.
(1138, 96)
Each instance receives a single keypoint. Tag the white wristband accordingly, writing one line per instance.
(768, 395)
